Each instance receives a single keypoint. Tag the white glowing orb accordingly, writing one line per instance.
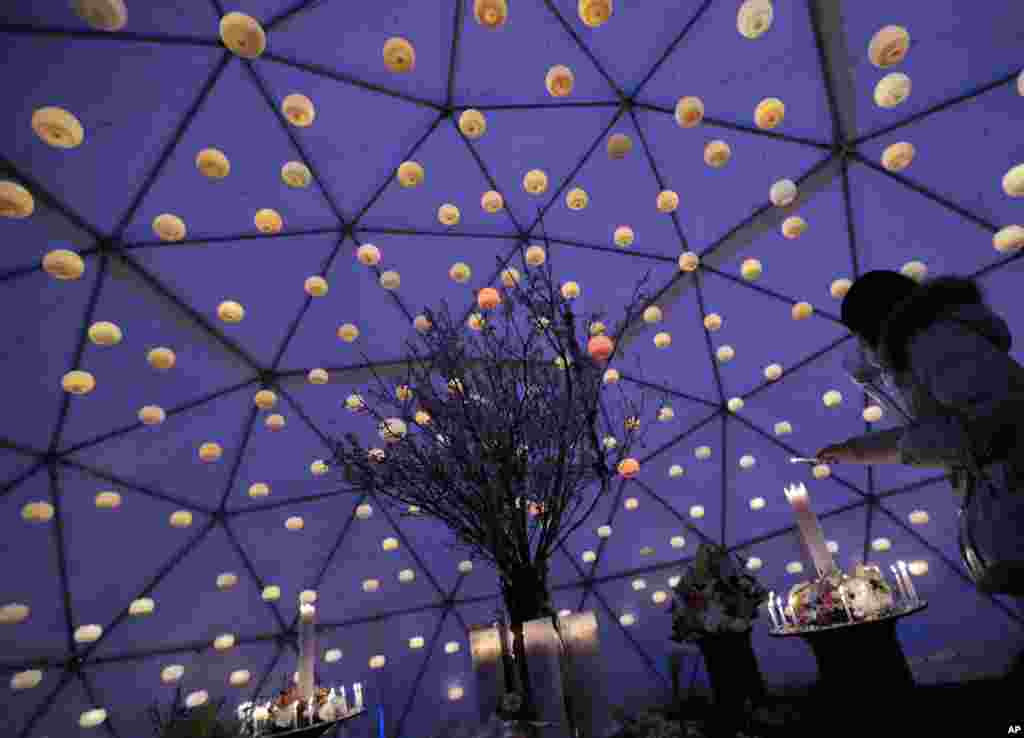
(794, 567)
(604, 531)
(677, 541)
(881, 544)
(919, 517)
(757, 503)
(697, 511)
(627, 619)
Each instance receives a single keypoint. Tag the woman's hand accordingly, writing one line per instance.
(838, 453)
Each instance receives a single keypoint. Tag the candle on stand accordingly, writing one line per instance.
(842, 596)
(810, 530)
(899, 581)
(357, 691)
(906, 578)
(259, 716)
(771, 611)
(307, 650)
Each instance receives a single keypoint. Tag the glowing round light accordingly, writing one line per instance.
(1009, 239)
(108, 500)
(757, 503)
(92, 718)
(492, 202)
(152, 415)
(258, 490)
(416, 642)
(589, 557)
(389, 544)
(181, 519)
(689, 112)
(673, 581)
(872, 413)
(315, 286)
(535, 182)
(769, 113)
(227, 580)
(455, 693)
(210, 452)
(26, 679)
(472, 123)
(535, 256)
(318, 468)
(832, 546)
(628, 468)
(667, 201)
(13, 613)
(717, 154)
(271, 593)
(754, 18)
(611, 376)
(239, 678)
(702, 452)
(783, 428)
(364, 511)
(892, 90)
(747, 461)
(465, 567)
(631, 503)
(460, 273)
(577, 199)
(371, 585)
(832, 398)
(488, 298)
(559, 81)
(161, 358)
(688, 261)
(751, 269)
(104, 333)
(675, 471)
(197, 699)
(390, 280)
(368, 255)
(659, 597)
(141, 606)
(898, 156)
(754, 563)
(802, 311)
(663, 339)
(697, 512)
(451, 647)
(639, 584)
(265, 399)
(677, 542)
(63, 264)
(627, 619)
(919, 517)
(399, 55)
(666, 413)
(392, 430)
(406, 576)
(839, 288)
(296, 174)
(410, 174)
(37, 512)
(916, 270)
(15, 201)
(772, 372)
(307, 596)
(88, 633)
(448, 215)
(794, 567)
(378, 662)
(783, 193)
(889, 46)
(725, 354)
(712, 321)
(881, 544)
(821, 471)
(623, 237)
(243, 35)
(918, 568)
(294, 523)
(268, 220)
(604, 531)
(78, 382)
(735, 404)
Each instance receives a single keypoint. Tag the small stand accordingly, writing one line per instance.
(855, 658)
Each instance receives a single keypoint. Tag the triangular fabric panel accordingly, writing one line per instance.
(271, 292)
(611, 206)
(190, 587)
(651, 621)
(530, 27)
(350, 40)
(933, 46)
(749, 315)
(758, 472)
(739, 72)
(178, 441)
(712, 201)
(114, 553)
(444, 554)
(20, 706)
(163, 19)
(14, 465)
(282, 460)
(370, 569)
(33, 391)
(345, 117)
(554, 141)
(62, 717)
(792, 410)
(887, 243)
(452, 176)
(43, 633)
(147, 320)
(227, 207)
(125, 133)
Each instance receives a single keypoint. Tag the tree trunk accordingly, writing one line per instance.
(526, 598)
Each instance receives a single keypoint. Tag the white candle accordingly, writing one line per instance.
(342, 700)
(771, 611)
(810, 530)
(899, 581)
(357, 690)
(259, 715)
(842, 596)
(910, 585)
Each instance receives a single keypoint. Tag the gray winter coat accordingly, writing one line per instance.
(946, 363)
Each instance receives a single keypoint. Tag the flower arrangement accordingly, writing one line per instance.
(714, 595)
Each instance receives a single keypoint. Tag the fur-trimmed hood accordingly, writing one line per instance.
(944, 298)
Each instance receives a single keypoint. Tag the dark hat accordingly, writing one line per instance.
(871, 299)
